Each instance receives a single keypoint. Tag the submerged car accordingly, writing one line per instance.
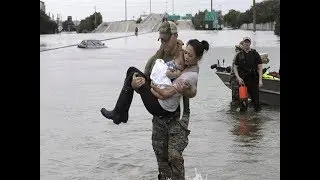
(91, 44)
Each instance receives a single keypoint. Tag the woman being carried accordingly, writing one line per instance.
(160, 99)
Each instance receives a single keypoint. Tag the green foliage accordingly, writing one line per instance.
(47, 26)
(266, 11)
(88, 24)
(232, 18)
(68, 26)
(277, 27)
(139, 20)
(198, 20)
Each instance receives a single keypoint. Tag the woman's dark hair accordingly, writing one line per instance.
(199, 47)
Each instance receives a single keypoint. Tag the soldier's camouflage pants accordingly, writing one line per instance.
(235, 92)
(169, 139)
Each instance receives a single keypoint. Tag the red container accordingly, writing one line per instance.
(243, 92)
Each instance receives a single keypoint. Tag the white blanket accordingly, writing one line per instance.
(158, 74)
(159, 77)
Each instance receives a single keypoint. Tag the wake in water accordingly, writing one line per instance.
(197, 177)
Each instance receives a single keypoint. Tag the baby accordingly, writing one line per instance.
(175, 66)
(163, 74)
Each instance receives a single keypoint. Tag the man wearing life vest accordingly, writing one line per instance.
(248, 71)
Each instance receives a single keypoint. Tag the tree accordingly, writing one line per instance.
(277, 26)
(198, 20)
(266, 11)
(90, 23)
(220, 18)
(47, 26)
(68, 26)
(138, 20)
(232, 18)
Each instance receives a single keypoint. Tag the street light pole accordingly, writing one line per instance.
(95, 17)
(172, 7)
(254, 15)
(166, 6)
(125, 7)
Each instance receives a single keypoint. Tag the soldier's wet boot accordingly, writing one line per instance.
(243, 106)
(120, 113)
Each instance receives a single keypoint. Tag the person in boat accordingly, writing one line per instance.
(233, 79)
(136, 31)
(248, 71)
(159, 100)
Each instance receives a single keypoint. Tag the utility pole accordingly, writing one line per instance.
(172, 7)
(254, 15)
(125, 4)
(166, 6)
(211, 6)
(95, 17)
(150, 6)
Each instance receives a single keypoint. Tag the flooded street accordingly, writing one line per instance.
(77, 142)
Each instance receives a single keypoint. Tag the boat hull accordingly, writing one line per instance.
(269, 92)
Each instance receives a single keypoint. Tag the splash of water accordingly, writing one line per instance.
(197, 177)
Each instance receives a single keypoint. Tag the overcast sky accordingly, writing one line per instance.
(112, 10)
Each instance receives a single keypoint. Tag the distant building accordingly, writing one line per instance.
(173, 17)
(76, 22)
(211, 20)
(68, 25)
(42, 6)
(188, 16)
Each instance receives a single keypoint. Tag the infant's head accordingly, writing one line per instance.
(179, 58)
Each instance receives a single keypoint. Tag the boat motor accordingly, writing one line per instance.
(213, 66)
(264, 70)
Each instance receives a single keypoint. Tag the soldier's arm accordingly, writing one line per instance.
(234, 58)
(235, 67)
(260, 71)
(259, 62)
(148, 67)
(163, 93)
(190, 92)
(157, 95)
(235, 70)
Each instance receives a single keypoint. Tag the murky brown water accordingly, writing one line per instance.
(76, 142)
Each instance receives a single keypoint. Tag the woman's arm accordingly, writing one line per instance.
(173, 74)
(157, 95)
(186, 89)
(164, 93)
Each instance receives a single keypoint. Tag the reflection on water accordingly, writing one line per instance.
(247, 128)
(255, 142)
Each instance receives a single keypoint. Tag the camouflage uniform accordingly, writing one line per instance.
(169, 135)
(234, 86)
(233, 80)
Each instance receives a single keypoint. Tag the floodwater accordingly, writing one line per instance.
(77, 142)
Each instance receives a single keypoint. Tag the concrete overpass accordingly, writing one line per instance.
(150, 24)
